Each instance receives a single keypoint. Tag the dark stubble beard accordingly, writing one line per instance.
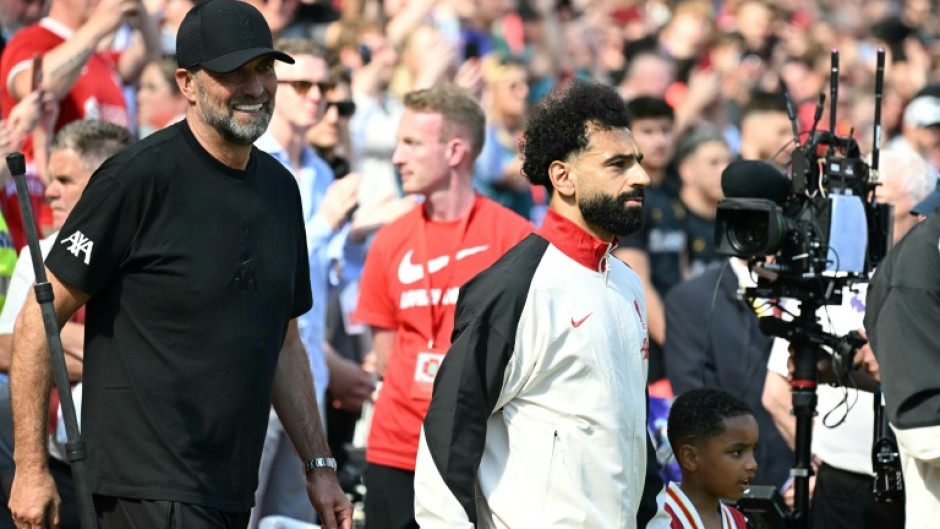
(613, 215)
(226, 125)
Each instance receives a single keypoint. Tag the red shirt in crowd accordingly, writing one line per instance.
(97, 94)
(407, 259)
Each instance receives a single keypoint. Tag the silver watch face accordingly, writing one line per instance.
(320, 462)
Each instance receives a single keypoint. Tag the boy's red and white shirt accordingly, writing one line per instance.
(684, 515)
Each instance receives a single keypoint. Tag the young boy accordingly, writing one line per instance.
(713, 435)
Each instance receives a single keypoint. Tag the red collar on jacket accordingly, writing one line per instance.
(573, 241)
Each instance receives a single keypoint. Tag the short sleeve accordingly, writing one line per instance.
(376, 307)
(98, 233)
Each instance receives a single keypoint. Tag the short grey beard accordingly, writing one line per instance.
(227, 127)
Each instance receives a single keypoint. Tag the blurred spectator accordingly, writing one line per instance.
(713, 340)
(647, 74)
(86, 82)
(684, 37)
(279, 14)
(755, 21)
(498, 170)
(676, 241)
(766, 131)
(804, 80)
(652, 121)
(426, 59)
(159, 100)
(16, 15)
(326, 204)
(172, 15)
(484, 24)
(330, 136)
(412, 275)
(920, 129)
(377, 114)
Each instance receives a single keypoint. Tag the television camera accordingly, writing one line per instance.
(807, 238)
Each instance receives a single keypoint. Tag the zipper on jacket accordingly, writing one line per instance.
(548, 476)
(603, 266)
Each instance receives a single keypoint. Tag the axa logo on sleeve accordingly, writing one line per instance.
(79, 245)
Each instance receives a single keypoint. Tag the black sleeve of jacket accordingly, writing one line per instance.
(652, 485)
(470, 380)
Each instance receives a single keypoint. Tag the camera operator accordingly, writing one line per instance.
(904, 297)
(843, 496)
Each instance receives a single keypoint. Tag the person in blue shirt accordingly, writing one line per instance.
(327, 205)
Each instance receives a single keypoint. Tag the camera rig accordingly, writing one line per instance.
(820, 232)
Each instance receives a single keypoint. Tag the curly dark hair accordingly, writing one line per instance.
(558, 126)
(698, 415)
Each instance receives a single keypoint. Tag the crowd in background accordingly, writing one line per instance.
(704, 81)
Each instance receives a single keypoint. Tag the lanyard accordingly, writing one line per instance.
(438, 320)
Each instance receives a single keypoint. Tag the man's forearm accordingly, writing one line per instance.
(62, 65)
(30, 384)
(295, 400)
(776, 399)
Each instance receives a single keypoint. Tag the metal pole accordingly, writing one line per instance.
(75, 447)
(804, 408)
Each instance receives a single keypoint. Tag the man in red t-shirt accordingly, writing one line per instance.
(411, 280)
(87, 83)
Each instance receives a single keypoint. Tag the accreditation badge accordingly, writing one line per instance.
(425, 370)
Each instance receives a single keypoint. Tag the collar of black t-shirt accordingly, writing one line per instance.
(225, 170)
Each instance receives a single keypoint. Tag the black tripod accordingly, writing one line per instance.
(75, 447)
(804, 407)
(806, 336)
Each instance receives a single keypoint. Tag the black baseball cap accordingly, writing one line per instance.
(222, 35)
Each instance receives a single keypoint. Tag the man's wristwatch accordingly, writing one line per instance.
(319, 462)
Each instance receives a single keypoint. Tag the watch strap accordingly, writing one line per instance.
(319, 462)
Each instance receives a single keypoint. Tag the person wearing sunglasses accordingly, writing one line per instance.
(327, 204)
(330, 136)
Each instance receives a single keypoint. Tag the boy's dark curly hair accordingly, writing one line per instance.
(558, 126)
(699, 414)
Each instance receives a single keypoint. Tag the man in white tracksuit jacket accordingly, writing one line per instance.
(538, 417)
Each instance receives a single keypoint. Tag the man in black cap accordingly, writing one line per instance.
(190, 252)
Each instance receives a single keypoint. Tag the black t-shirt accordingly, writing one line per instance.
(680, 244)
(194, 271)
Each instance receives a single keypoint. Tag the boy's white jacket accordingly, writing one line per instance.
(539, 410)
